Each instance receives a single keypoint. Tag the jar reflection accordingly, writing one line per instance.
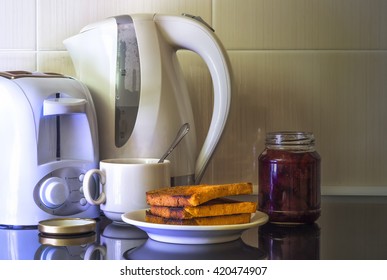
(290, 242)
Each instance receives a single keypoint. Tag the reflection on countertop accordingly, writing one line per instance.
(293, 242)
(233, 250)
(349, 228)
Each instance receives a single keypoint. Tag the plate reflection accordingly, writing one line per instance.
(234, 250)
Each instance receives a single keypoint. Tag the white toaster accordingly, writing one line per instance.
(48, 129)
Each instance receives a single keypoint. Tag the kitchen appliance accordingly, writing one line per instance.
(130, 65)
(49, 139)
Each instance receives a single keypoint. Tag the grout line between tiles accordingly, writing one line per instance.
(212, 13)
(37, 16)
(308, 50)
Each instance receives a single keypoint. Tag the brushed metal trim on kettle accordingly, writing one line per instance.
(128, 80)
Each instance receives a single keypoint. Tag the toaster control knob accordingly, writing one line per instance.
(54, 192)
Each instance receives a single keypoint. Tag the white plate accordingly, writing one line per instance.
(182, 234)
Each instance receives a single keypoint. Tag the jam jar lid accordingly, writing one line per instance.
(67, 226)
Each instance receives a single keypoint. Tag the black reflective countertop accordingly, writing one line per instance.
(350, 228)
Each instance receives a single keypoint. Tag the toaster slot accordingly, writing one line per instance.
(64, 131)
(57, 118)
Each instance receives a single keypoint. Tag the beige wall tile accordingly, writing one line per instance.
(60, 19)
(383, 25)
(55, 61)
(301, 24)
(239, 24)
(17, 61)
(17, 24)
(201, 91)
(353, 118)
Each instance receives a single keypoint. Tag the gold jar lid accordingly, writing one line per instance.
(67, 226)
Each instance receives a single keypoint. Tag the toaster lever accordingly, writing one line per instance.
(63, 105)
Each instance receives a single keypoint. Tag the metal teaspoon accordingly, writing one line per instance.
(180, 134)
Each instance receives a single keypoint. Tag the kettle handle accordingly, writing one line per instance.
(188, 33)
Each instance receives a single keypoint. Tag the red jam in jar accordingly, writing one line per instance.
(289, 178)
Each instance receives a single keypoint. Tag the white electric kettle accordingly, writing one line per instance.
(130, 65)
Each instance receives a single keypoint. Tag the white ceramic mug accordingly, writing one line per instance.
(124, 182)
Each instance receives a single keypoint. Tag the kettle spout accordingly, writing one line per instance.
(93, 50)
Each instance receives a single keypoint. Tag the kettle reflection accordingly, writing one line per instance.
(290, 242)
(155, 250)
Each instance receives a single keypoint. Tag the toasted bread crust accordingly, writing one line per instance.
(194, 195)
(215, 207)
(200, 221)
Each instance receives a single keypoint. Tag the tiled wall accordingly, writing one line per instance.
(317, 65)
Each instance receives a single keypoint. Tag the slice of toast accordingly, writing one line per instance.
(200, 221)
(194, 195)
(215, 207)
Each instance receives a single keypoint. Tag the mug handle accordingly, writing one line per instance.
(86, 186)
(95, 248)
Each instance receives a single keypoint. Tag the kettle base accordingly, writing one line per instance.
(183, 180)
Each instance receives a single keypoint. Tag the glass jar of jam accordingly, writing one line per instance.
(289, 178)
